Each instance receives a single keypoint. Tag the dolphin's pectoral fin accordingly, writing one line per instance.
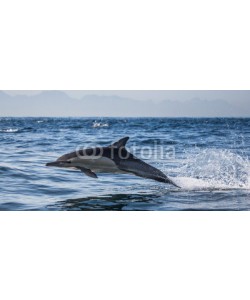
(87, 172)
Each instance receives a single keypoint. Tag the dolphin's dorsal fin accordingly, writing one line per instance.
(120, 143)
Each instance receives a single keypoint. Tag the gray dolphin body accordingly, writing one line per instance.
(112, 159)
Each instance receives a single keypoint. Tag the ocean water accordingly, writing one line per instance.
(208, 158)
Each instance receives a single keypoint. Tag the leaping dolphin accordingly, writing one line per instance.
(111, 159)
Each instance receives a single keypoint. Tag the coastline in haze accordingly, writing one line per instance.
(121, 104)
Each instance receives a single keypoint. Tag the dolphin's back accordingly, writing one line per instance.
(89, 152)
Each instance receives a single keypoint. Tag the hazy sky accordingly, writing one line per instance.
(154, 95)
(126, 103)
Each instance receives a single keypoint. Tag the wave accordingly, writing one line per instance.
(214, 169)
(99, 124)
(9, 130)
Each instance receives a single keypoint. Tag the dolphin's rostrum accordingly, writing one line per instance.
(111, 159)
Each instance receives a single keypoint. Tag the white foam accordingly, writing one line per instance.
(194, 184)
(213, 169)
(10, 130)
(99, 124)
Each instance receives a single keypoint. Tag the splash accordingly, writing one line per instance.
(10, 130)
(99, 124)
(214, 169)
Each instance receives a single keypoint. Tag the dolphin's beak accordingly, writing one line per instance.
(53, 164)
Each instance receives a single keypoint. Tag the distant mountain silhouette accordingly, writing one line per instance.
(57, 103)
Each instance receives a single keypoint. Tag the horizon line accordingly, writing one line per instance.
(148, 117)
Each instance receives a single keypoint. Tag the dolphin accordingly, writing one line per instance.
(111, 159)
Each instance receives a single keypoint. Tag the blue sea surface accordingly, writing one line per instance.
(208, 158)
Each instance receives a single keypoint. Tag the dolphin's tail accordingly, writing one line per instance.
(142, 169)
(166, 180)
